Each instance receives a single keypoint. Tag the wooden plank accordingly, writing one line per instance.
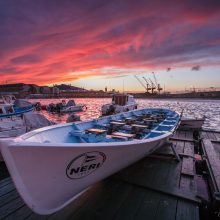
(149, 206)
(189, 149)
(213, 161)
(181, 134)
(217, 135)
(5, 181)
(186, 210)
(173, 175)
(181, 139)
(102, 192)
(117, 123)
(162, 188)
(189, 134)
(114, 201)
(166, 208)
(130, 206)
(12, 195)
(34, 216)
(139, 126)
(187, 166)
(11, 207)
(211, 136)
(123, 134)
(179, 146)
(107, 204)
(187, 183)
(96, 131)
(117, 137)
(6, 189)
(204, 135)
(20, 214)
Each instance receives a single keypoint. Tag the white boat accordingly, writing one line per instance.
(7, 99)
(52, 166)
(120, 103)
(76, 108)
(64, 107)
(15, 122)
(11, 122)
(192, 123)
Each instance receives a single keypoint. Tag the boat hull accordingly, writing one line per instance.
(76, 108)
(117, 109)
(64, 172)
(192, 123)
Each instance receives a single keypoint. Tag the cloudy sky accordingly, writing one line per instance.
(98, 43)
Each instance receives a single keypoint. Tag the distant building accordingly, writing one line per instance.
(55, 90)
(18, 89)
(64, 87)
(45, 90)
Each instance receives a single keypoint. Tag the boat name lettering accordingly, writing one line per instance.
(85, 164)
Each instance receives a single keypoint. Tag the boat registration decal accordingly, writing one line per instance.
(85, 164)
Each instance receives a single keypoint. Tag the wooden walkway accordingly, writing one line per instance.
(157, 187)
(211, 157)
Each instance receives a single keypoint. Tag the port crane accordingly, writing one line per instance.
(159, 88)
(141, 82)
(148, 84)
(153, 86)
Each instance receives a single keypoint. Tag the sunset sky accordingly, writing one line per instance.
(98, 43)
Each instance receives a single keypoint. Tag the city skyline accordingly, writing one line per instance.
(94, 44)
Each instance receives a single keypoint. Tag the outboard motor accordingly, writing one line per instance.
(38, 106)
(73, 118)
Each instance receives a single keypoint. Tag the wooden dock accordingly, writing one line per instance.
(157, 187)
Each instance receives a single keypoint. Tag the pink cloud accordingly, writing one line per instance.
(44, 42)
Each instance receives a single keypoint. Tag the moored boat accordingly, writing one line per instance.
(192, 123)
(64, 107)
(11, 120)
(7, 99)
(120, 103)
(62, 161)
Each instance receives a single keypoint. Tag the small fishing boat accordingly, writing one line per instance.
(11, 123)
(64, 107)
(120, 103)
(13, 126)
(11, 120)
(8, 110)
(52, 166)
(7, 99)
(192, 123)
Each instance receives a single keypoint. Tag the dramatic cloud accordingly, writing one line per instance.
(61, 40)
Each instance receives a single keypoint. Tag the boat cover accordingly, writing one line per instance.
(70, 103)
(35, 120)
(22, 103)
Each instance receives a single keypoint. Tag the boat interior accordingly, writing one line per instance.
(129, 126)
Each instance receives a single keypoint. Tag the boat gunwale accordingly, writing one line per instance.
(23, 139)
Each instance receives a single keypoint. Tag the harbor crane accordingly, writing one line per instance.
(148, 84)
(141, 82)
(153, 86)
(159, 88)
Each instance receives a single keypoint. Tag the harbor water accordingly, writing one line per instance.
(191, 109)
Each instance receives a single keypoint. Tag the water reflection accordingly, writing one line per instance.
(191, 109)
